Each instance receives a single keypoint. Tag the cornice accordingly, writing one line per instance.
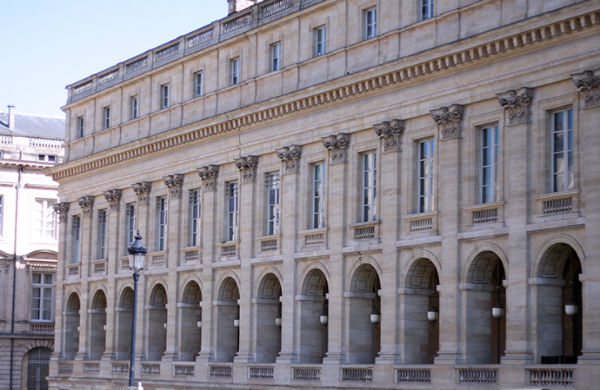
(435, 66)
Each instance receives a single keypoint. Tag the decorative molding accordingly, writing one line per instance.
(113, 197)
(247, 166)
(209, 175)
(142, 190)
(337, 144)
(517, 103)
(174, 182)
(390, 132)
(290, 156)
(449, 120)
(588, 82)
(523, 40)
(62, 209)
(87, 204)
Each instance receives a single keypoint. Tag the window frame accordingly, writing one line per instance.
(319, 41)
(133, 107)
(164, 96)
(130, 222)
(1, 215)
(80, 126)
(425, 193)
(369, 23)
(106, 117)
(194, 217)
(426, 9)
(567, 182)
(102, 217)
(231, 210)
(491, 164)
(160, 234)
(368, 186)
(75, 257)
(272, 203)
(234, 71)
(198, 84)
(317, 195)
(275, 56)
(41, 229)
(45, 288)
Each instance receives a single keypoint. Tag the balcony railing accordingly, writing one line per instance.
(365, 230)
(314, 238)
(357, 374)
(119, 368)
(306, 373)
(558, 203)
(268, 243)
(41, 327)
(183, 370)
(421, 222)
(555, 376)
(220, 370)
(413, 375)
(99, 266)
(261, 372)
(151, 368)
(91, 368)
(477, 375)
(65, 368)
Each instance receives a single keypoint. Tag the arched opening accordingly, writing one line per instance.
(71, 335)
(268, 327)
(314, 315)
(421, 307)
(364, 310)
(38, 361)
(124, 318)
(559, 314)
(97, 326)
(191, 322)
(228, 320)
(157, 323)
(485, 303)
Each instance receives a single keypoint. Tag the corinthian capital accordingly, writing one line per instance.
(517, 103)
(62, 209)
(142, 190)
(209, 174)
(337, 144)
(174, 183)
(449, 120)
(390, 132)
(247, 166)
(113, 197)
(87, 204)
(588, 82)
(290, 155)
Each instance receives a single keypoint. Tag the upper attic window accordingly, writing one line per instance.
(370, 22)
(47, 157)
(426, 9)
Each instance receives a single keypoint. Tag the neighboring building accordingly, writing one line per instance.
(28, 246)
(339, 194)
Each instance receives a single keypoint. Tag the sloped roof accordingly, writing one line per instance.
(33, 126)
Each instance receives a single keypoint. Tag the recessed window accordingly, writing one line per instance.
(319, 38)
(195, 212)
(563, 176)
(426, 9)
(489, 164)
(44, 218)
(164, 96)
(425, 176)
(41, 296)
(80, 126)
(161, 223)
(317, 198)
(133, 107)
(198, 86)
(75, 239)
(370, 23)
(272, 190)
(1, 214)
(275, 50)
(368, 186)
(129, 225)
(106, 117)
(47, 157)
(231, 194)
(234, 69)
(101, 235)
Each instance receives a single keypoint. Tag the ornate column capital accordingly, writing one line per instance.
(87, 204)
(113, 197)
(247, 166)
(142, 190)
(62, 209)
(337, 144)
(517, 103)
(449, 120)
(390, 132)
(588, 82)
(209, 174)
(174, 182)
(290, 155)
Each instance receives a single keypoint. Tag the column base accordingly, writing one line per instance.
(80, 356)
(448, 357)
(286, 358)
(333, 358)
(589, 356)
(243, 358)
(517, 357)
(107, 356)
(168, 357)
(388, 358)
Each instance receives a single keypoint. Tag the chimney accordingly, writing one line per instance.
(238, 5)
(11, 117)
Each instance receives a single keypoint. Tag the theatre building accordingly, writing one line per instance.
(339, 194)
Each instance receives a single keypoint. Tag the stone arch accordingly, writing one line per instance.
(475, 256)
(267, 306)
(268, 270)
(71, 327)
(362, 260)
(186, 282)
(539, 264)
(157, 322)
(36, 362)
(190, 320)
(124, 313)
(421, 254)
(97, 325)
(227, 318)
(313, 308)
(45, 254)
(420, 296)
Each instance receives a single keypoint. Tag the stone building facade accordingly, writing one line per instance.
(339, 194)
(28, 246)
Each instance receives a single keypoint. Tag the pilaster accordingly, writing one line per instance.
(87, 210)
(62, 209)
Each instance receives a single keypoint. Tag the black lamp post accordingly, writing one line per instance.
(137, 256)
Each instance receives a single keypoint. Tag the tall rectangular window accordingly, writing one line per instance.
(231, 192)
(75, 239)
(133, 107)
(368, 186)
(44, 218)
(80, 126)
(129, 224)
(164, 96)
(161, 223)
(319, 37)
(194, 217)
(234, 69)
(426, 9)
(489, 164)
(1, 214)
(106, 117)
(563, 176)
(275, 50)
(198, 87)
(370, 23)
(101, 235)
(317, 196)
(41, 297)
(272, 185)
(425, 176)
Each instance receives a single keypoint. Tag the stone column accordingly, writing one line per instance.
(247, 196)
(62, 209)
(588, 173)
(337, 186)
(113, 197)
(390, 133)
(209, 175)
(290, 209)
(516, 130)
(174, 242)
(142, 190)
(87, 210)
(448, 155)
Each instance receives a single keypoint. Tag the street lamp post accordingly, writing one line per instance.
(137, 256)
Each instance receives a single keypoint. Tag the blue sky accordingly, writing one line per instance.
(48, 44)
